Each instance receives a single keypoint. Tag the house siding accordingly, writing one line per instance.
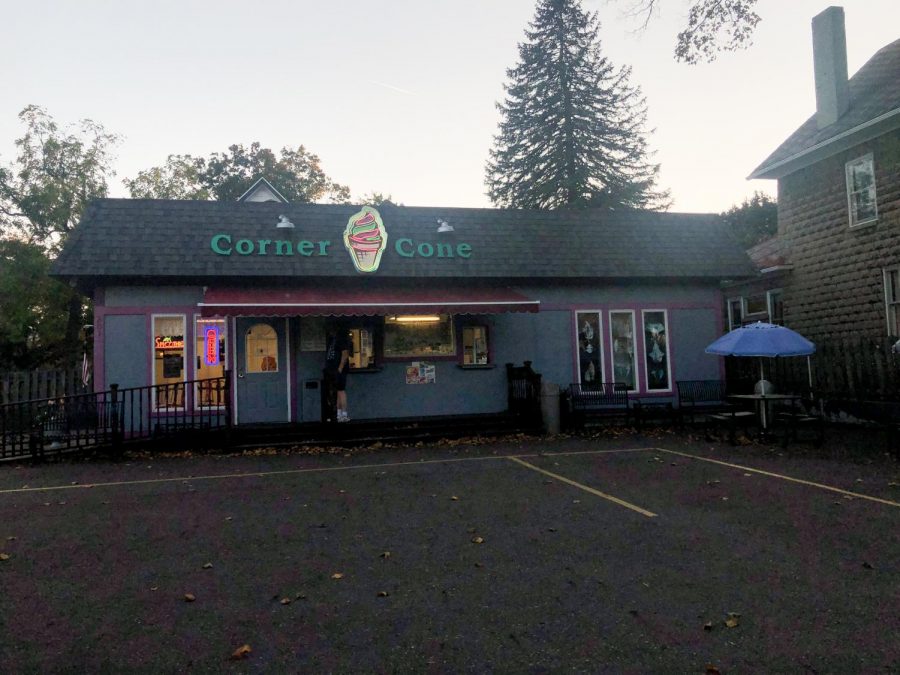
(836, 289)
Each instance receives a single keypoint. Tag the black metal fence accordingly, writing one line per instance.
(183, 413)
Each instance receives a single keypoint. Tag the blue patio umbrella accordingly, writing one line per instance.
(763, 340)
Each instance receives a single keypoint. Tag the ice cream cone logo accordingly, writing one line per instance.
(365, 239)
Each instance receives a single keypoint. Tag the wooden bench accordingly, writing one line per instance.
(701, 397)
(601, 399)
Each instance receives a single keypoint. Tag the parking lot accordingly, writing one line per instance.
(619, 554)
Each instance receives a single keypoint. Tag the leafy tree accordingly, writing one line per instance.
(56, 174)
(43, 194)
(377, 199)
(572, 127)
(713, 26)
(754, 220)
(178, 178)
(34, 309)
(295, 173)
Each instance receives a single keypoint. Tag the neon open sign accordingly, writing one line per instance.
(211, 344)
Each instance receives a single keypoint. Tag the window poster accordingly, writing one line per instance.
(312, 334)
(172, 365)
(590, 362)
(621, 330)
(420, 372)
(656, 349)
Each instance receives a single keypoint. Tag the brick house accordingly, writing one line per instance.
(833, 271)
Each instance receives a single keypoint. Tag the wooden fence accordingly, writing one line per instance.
(16, 386)
(859, 370)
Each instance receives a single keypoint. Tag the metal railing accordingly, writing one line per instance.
(177, 413)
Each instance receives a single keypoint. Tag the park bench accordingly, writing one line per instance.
(702, 397)
(598, 400)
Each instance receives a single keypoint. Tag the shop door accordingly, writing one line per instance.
(262, 371)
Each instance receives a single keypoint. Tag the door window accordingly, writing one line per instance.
(261, 348)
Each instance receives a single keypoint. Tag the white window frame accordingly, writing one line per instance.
(888, 305)
(769, 304)
(225, 331)
(187, 354)
(634, 344)
(740, 300)
(869, 160)
(647, 388)
(602, 374)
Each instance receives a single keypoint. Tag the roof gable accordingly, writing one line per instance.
(262, 191)
(874, 109)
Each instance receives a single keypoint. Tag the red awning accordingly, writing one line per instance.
(338, 302)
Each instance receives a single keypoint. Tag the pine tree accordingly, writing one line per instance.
(572, 127)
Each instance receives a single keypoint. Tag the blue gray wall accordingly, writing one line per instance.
(546, 339)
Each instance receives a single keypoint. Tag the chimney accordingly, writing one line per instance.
(830, 63)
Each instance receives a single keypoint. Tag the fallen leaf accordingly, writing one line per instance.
(749, 475)
(285, 601)
(477, 540)
(386, 554)
(337, 575)
(4, 556)
(383, 594)
(241, 652)
(207, 566)
(10, 539)
(708, 625)
(712, 670)
(454, 498)
(189, 597)
(732, 619)
(154, 588)
(227, 517)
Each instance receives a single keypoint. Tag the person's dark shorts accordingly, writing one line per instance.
(338, 380)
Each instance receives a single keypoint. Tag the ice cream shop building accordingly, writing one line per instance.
(435, 301)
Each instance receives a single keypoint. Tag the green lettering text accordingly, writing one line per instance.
(401, 251)
(214, 244)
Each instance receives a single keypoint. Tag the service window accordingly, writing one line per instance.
(362, 347)
(419, 336)
(475, 345)
(168, 360)
(261, 343)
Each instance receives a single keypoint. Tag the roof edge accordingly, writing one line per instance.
(890, 120)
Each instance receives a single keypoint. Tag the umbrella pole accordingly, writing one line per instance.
(809, 372)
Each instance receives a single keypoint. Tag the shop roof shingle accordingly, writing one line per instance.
(874, 93)
(169, 239)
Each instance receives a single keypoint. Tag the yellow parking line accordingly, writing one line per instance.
(580, 486)
(284, 472)
(791, 479)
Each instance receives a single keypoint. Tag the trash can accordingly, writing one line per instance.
(550, 407)
(311, 403)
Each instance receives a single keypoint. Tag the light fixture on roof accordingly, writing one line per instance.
(284, 223)
(444, 226)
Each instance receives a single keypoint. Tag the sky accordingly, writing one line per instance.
(398, 96)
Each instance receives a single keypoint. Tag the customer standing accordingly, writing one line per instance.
(337, 361)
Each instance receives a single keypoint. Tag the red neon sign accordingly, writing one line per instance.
(169, 342)
(211, 346)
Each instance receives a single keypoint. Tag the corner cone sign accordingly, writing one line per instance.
(365, 239)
